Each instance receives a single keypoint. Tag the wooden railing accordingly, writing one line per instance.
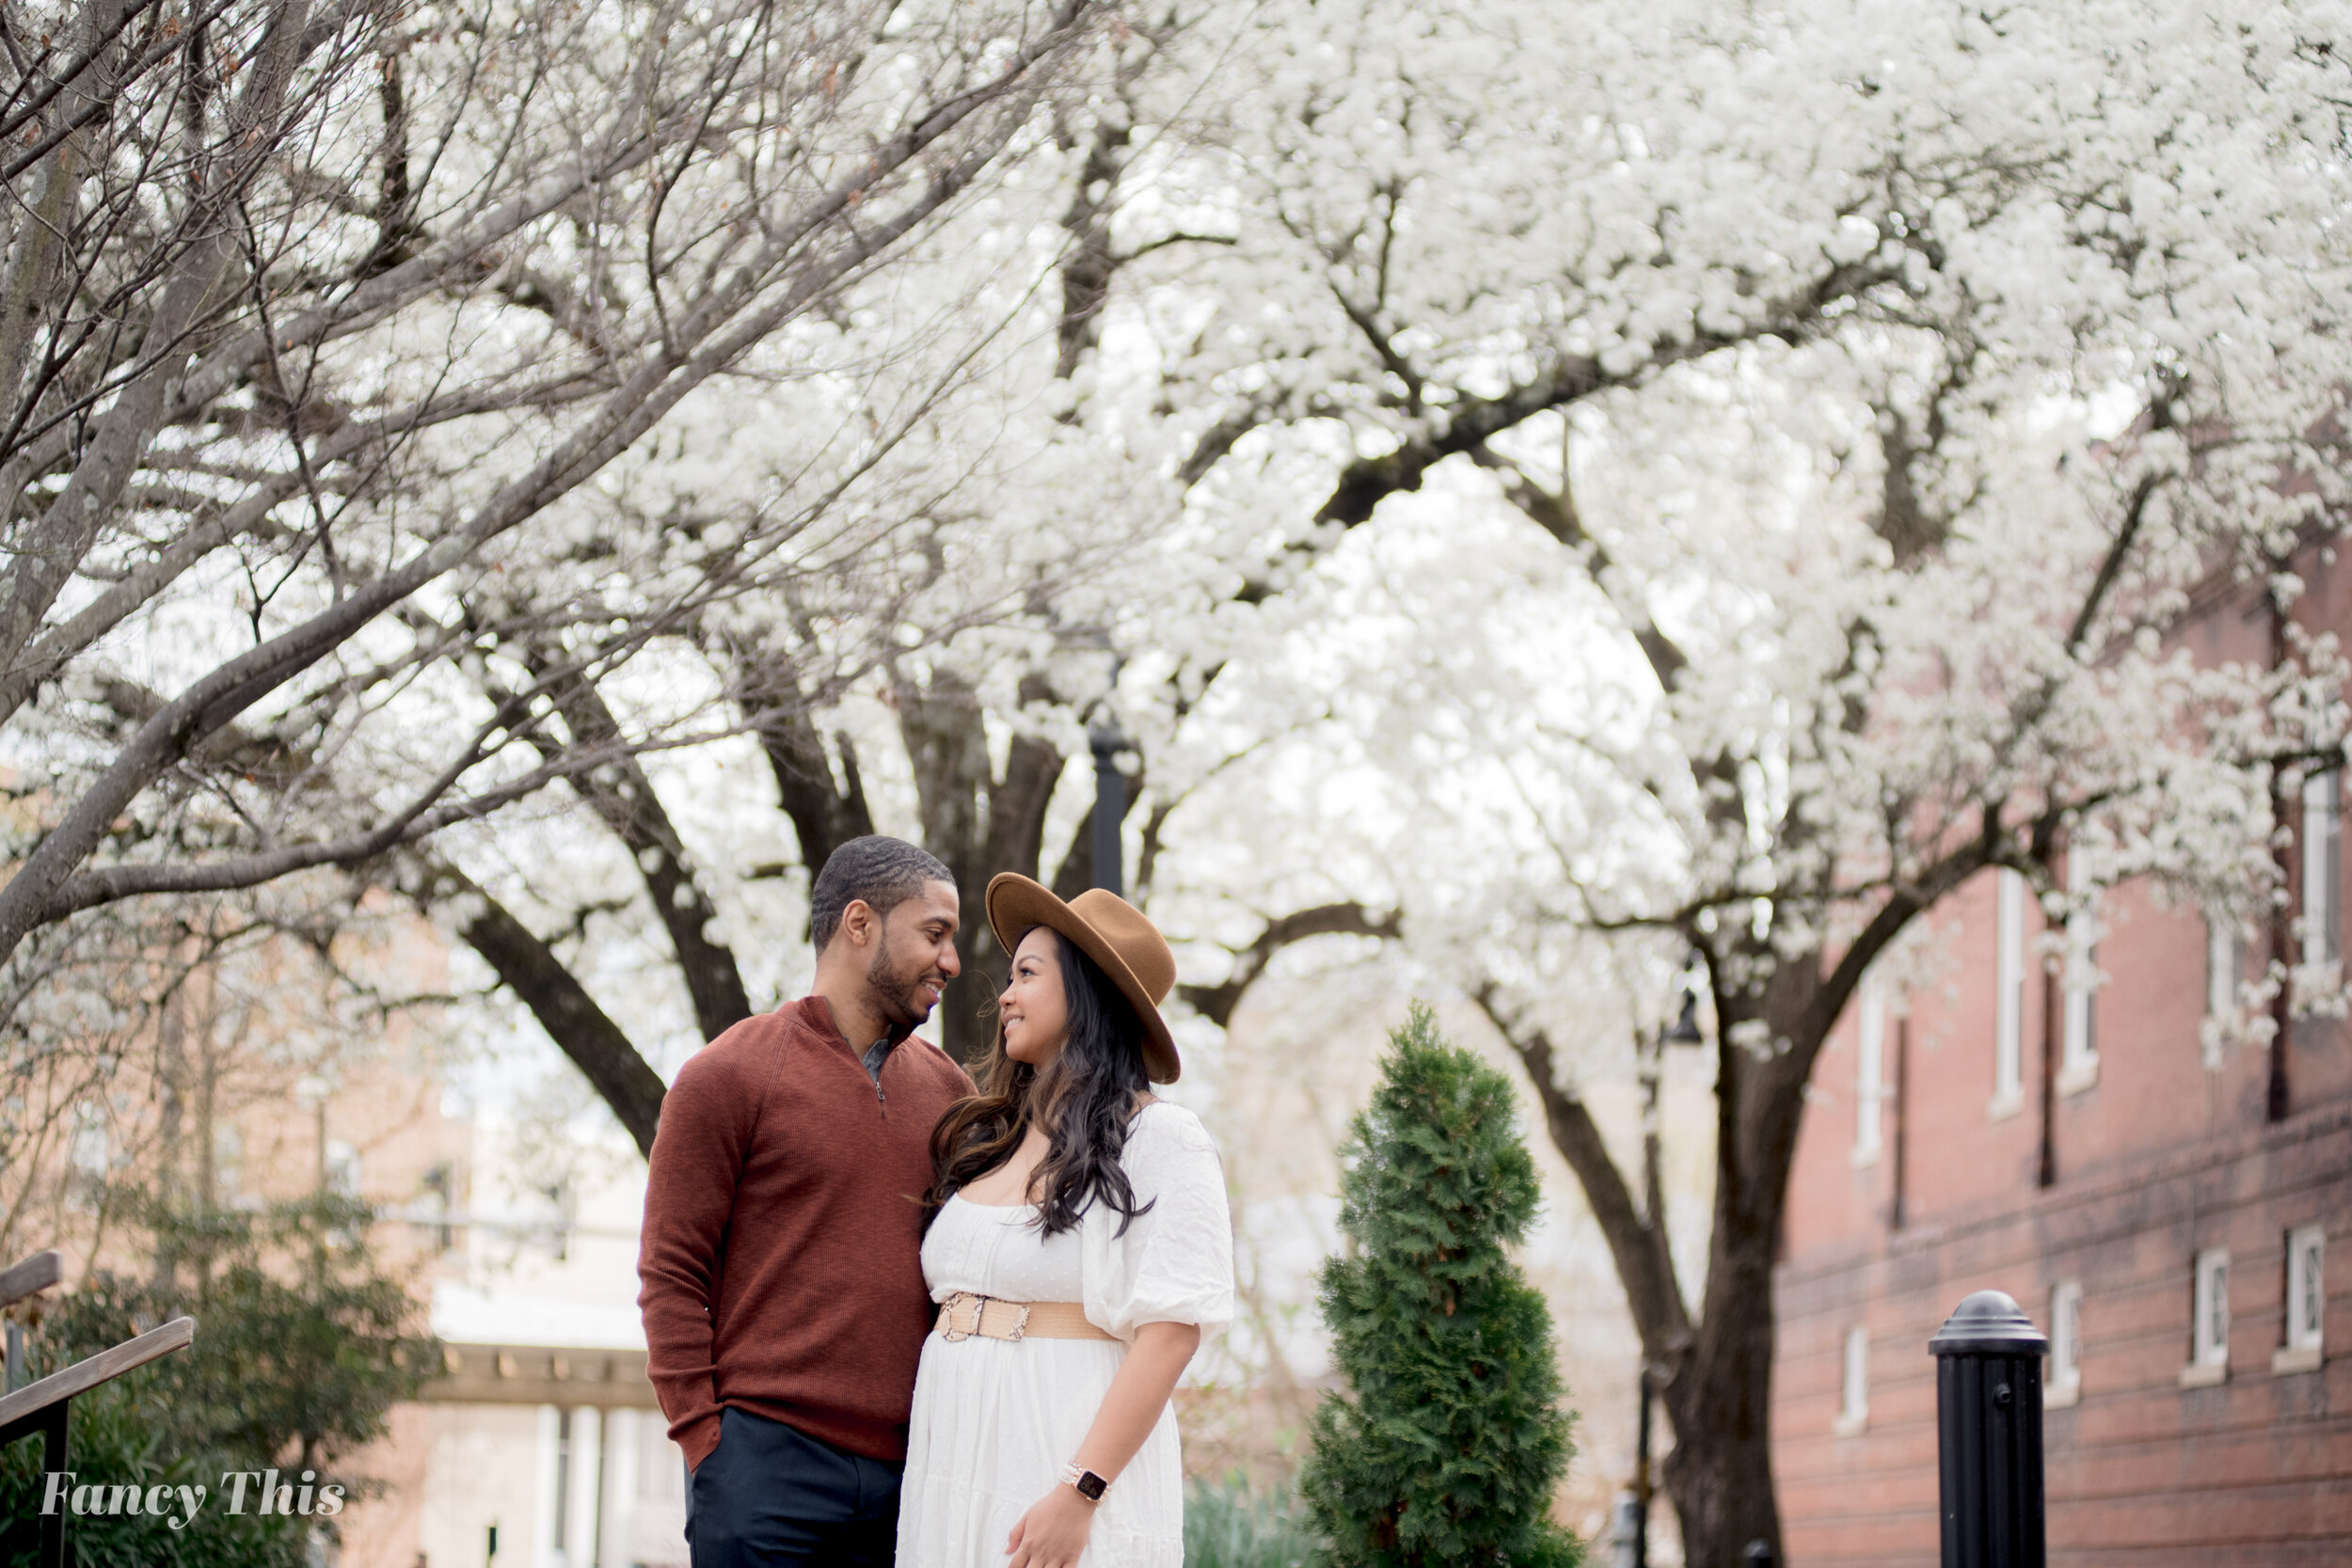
(46, 1406)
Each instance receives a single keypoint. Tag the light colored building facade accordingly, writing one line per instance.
(541, 1446)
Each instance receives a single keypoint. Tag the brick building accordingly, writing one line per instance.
(2066, 1115)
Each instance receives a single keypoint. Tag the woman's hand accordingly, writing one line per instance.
(1053, 1532)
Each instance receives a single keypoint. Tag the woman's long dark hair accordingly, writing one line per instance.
(1084, 1098)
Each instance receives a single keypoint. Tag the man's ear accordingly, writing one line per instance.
(859, 921)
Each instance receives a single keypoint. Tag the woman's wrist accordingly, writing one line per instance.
(1084, 1479)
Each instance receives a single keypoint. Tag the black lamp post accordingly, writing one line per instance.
(1110, 806)
(1683, 1031)
(1988, 1415)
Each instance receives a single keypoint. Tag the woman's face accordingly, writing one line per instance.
(1034, 1009)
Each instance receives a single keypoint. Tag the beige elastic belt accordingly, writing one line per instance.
(964, 1314)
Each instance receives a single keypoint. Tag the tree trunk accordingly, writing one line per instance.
(1720, 1470)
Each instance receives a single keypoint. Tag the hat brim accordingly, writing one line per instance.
(1017, 905)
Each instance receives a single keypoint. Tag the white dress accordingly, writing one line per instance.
(995, 1420)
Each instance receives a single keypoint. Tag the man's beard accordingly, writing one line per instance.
(899, 996)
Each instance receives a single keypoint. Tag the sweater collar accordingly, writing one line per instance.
(817, 1010)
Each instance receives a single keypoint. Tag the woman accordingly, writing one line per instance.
(1078, 1246)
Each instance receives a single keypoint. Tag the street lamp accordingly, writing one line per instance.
(1110, 805)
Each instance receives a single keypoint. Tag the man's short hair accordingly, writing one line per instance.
(881, 871)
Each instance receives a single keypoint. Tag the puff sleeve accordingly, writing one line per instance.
(1175, 1264)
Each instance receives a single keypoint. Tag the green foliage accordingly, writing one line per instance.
(1449, 1445)
(303, 1345)
(115, 1442)
(1232, 1524)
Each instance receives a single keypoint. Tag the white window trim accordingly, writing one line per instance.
(2225, 963)
(2209, 1306)
(2305, 1347)
(1853, 1382)
(2009, 1006)
(346, 1169)
(1869, 1134)
(2323, 873)
(91, 1149)
(2064, 1385)
(2225, 978)
(2078, 1058)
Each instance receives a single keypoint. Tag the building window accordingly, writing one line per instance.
(1870, 1072)
(564, 1203)
(439, 1183)
(228, 1164)
(2225, 960)
(1854, 1404)
(2307, 1302)
(2209, 1330)
(89, 1156)
(341, 1162)
(2078, 1061)
(2065, 1385)
(2323, 890)
(2008, 974)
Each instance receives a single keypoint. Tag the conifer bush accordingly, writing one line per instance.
(1451, 1435)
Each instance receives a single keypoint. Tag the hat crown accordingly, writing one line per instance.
(1111, 931)
(1133, 938)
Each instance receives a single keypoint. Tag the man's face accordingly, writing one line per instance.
(914, 956)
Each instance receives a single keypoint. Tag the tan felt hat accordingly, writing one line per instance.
(1111, 931)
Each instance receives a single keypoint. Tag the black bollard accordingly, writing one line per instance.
(1988, 1417)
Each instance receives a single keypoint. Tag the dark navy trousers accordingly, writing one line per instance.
(771, 1495)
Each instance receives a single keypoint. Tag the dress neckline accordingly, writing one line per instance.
(995, 1208)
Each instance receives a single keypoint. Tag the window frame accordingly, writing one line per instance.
(2064, 1385)
(2209, 1320)
(2078, 1055)
(2304, 1340)
(2322, 865)
(2225, 962)
(2009, 1002)
(1853, 1381)
(1869, 1134)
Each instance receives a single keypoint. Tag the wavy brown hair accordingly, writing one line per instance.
(1084, 1099)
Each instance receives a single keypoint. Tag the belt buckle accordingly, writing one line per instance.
(1021, 1323)
(962, 1298)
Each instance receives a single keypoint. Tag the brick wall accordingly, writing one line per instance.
(2114, 1178)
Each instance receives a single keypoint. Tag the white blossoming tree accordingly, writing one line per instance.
(1875, 389)
(1546, 480)
(339, 343)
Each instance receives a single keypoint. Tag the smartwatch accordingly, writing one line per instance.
(1091, 1486)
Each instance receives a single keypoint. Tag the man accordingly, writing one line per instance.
(782, 1282)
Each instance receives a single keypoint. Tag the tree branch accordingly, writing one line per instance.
(1638, 1246)
(624, 798)
(1217, 1002)
(579, 1028)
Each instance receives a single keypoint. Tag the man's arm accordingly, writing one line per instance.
(698, 1151)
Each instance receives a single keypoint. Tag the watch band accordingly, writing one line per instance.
(1089, 1486)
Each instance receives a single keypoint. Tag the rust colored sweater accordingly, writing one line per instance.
(780, 1260)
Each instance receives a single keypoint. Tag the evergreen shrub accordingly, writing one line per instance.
(1451, 1438)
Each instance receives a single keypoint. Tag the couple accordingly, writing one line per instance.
(892, 1317)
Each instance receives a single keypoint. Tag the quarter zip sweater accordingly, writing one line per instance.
(780, 1264)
